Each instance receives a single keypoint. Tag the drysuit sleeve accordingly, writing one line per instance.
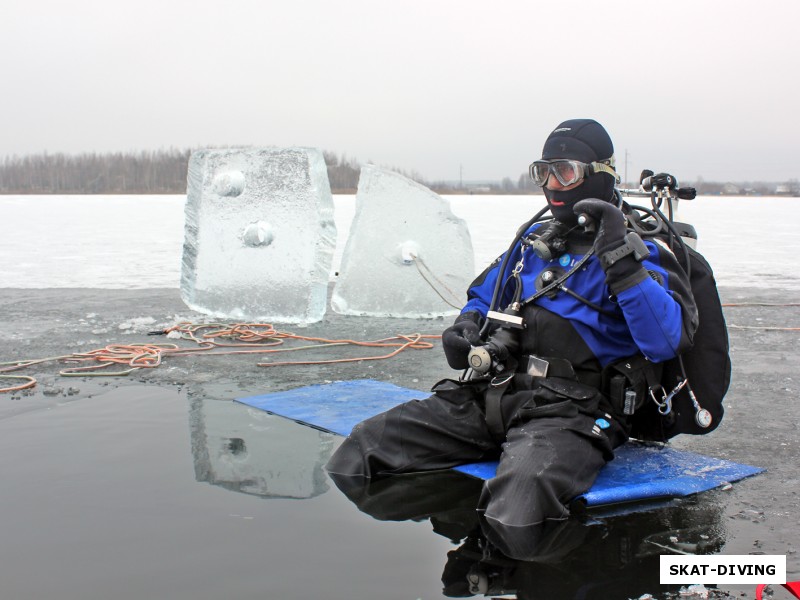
(480, 292)
(657, 303)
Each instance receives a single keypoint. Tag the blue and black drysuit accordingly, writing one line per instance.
(551, 434)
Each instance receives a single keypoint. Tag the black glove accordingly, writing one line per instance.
(458, 339)
(611, 233)
(611, 227)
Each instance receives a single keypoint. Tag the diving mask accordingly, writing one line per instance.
(569, 172)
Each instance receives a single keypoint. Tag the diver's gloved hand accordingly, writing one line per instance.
(626, 270)
(611, 228)
(458, 339)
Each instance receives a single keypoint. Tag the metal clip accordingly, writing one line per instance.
(498, 382)
(665, 404)
(676, 389)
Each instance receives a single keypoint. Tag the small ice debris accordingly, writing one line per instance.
(698, 591)
(174, 335)
(137, 324)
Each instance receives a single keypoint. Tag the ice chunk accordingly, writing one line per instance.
(406, 253)
(259, 235)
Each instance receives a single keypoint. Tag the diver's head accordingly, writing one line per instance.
(577, 163)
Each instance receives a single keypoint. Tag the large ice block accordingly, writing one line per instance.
(407, 254)
(259, 235)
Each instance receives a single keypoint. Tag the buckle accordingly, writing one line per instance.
(537, 367)
(633, 245)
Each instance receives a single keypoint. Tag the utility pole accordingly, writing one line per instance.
(461, 176)
(626, 166)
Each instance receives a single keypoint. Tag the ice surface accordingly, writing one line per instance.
(405, 253)
(259, 234)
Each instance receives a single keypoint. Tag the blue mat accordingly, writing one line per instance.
(638, 472)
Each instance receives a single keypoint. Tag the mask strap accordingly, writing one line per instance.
(599, 167)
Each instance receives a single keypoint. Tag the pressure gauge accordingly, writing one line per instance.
(703, 418)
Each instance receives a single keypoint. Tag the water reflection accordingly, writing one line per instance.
(594, 555)
(253, 452)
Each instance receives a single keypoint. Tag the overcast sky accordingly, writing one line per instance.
(699, 88)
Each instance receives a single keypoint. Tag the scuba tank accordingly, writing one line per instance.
(698, 379)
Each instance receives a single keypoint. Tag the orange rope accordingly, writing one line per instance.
(258, 338)
(15, 388)
(765, 304)
(744, 304)
(136, 356)
(248, 333)
(413, 341)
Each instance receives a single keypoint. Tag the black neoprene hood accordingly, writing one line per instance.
(579, 139)
(584, 140)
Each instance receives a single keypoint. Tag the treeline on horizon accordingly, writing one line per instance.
(164, 172)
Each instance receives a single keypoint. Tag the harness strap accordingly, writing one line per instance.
(557, 367)
(494, 408)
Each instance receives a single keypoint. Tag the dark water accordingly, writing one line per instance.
(143, 492)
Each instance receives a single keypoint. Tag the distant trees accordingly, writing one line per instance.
(164, 172)
(159, 172)
(342, 172)
(525, 185)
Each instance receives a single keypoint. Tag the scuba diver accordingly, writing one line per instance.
(559, 341)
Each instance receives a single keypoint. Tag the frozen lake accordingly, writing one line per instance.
(158, 486)
(130, 242)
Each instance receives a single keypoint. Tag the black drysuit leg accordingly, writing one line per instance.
(442, 431)
(546, 462)
(550, 455)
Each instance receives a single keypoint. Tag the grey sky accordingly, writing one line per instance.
(698, 88)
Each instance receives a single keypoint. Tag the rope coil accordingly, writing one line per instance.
(211, 339)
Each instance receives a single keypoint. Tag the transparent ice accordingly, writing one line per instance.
(406, 253)
(259, 234)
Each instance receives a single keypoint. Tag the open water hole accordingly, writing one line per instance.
(145, 492)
